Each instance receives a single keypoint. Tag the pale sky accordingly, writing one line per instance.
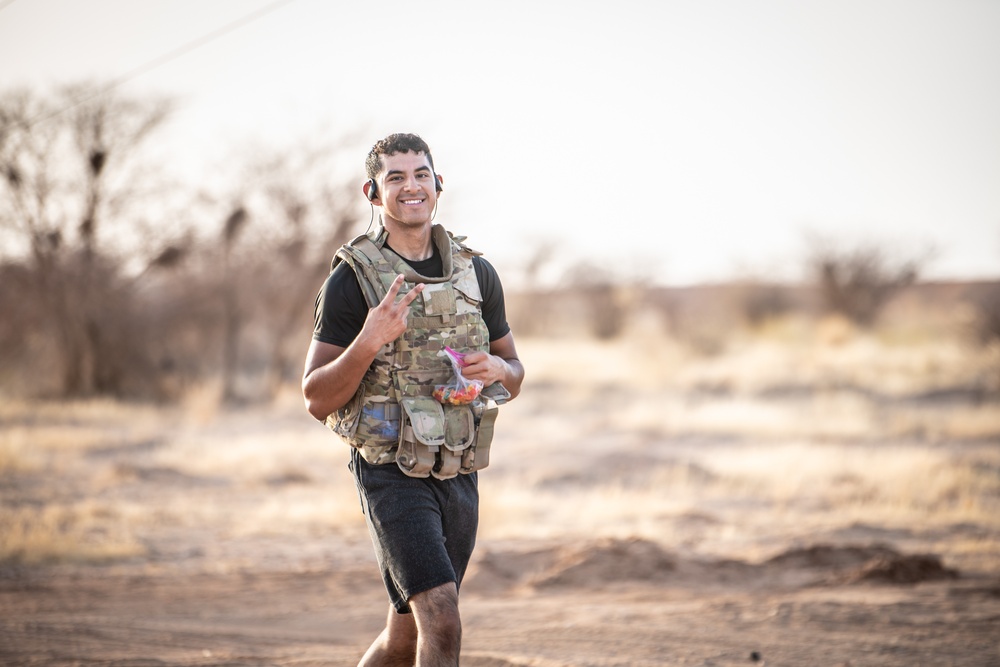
(687, 141)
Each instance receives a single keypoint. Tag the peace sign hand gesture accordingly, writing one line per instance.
(387, 321)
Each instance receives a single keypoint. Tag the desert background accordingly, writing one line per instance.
(751, 255)
(685, 484)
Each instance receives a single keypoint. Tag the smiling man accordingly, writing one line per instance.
(396, 305)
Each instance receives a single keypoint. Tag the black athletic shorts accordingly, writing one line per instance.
(423, 529)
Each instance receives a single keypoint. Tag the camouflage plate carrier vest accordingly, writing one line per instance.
(393, 416)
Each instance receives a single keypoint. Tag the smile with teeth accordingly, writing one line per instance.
(412, 202)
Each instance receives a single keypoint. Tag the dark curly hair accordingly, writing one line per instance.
(395, 143)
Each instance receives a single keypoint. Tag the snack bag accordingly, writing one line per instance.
(460, 390)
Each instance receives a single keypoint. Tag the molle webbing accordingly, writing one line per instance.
(425, 437)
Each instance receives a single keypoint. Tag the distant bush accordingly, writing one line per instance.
(857, 283)
(986, 326)
(760, 302)
(601, 296)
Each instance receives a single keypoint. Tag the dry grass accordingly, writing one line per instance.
(795, 434)
(100, 481)
(777, 439)
(84, 532)
(808, 486)
(15, 454)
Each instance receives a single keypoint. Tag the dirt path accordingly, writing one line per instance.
(598, 604)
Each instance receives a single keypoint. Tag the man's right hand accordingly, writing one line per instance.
(387, 321)
(332, 374)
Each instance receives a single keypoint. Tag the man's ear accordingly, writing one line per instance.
(438, 183)
(371, 192)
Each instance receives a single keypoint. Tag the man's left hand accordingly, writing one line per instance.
(485, 367)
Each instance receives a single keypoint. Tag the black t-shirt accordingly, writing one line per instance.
(341, 308)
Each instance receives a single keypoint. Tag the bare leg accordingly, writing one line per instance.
(396, 646)
(438, 626)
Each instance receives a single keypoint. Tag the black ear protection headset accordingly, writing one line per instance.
(373, 189)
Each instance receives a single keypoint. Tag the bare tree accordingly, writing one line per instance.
(110, 306)
(277, 246)
(231, 312)
(69, 182)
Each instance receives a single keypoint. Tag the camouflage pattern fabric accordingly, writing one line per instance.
(392, 417)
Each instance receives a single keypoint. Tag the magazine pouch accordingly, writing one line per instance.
(421, 435)
(460, 433)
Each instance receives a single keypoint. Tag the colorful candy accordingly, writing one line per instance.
(460, 391)
(457, 395)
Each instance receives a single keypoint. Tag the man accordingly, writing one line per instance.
(396, 297)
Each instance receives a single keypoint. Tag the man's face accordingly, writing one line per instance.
(406, 188)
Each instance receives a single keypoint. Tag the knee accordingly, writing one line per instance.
(436, 613)
(447, 624)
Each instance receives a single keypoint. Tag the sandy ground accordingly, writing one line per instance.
(235, 538)
(671, 613)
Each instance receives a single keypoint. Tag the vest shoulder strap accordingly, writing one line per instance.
(459, 241)
(367, 274)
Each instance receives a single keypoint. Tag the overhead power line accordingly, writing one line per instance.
(163, 59)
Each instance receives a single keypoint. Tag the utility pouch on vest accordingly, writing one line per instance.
(460, 433)
(484, 413)
(369, 423)
(344, 422)
(421, 435)
(436, 439)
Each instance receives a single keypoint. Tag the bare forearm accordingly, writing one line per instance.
(332, 373)
(512, 376)
(329, 386)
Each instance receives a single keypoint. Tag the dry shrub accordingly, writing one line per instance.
(858, 282)
(599, 298)
(761, 302)
(986, 323)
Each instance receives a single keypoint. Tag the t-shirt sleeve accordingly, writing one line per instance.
(494, 310)
(340, 308)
